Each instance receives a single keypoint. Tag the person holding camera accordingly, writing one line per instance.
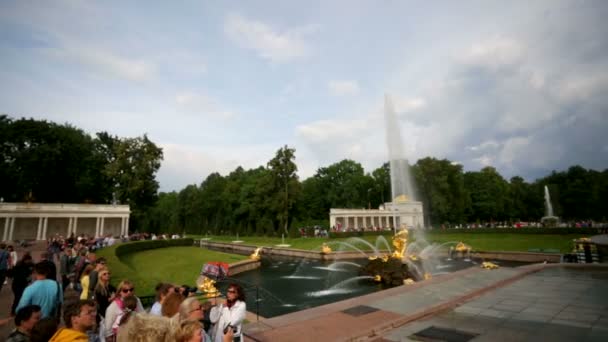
(229, 315)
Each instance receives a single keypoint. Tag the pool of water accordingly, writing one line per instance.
(283, 285)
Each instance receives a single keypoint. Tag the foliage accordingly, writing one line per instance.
(137, 246)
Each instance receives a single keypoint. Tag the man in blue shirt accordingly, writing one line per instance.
(43, 292)
(3, 264)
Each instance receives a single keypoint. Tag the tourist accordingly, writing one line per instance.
(13, 256)
(25, 320)
(144, 327)
(104, 292)
(79, 317)
(162, 290)
(22, 275)
(191, 309)
(66, 266)
(170, 306)
(94, 275)
(84, 281)
(43, 292)
(44, 330)
(129, 306)
(4, 256)
(229, 315)
(191, 331)
(44, 258)
(125, 289)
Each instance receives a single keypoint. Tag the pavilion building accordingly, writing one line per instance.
(401, 212)
(39, 221)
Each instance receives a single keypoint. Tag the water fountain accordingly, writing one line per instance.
(283, 244)
(549, 220)
(460, 250)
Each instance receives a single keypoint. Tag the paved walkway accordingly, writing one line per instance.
(493, 303)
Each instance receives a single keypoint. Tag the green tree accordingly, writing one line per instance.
(131, 166)
(442, 190)
(285, 179)
(488, 194)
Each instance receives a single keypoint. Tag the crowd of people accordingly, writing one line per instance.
(79, 303)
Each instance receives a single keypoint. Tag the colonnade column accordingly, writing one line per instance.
(101, 224)
(45, 225)
(127, 225)
(97, 227)
(70, 223)
(39, 230)
(6, 228)
(12, 229)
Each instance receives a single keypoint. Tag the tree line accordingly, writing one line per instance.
(46, 162)
(42, 161)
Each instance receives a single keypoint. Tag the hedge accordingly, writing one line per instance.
(585, 231)
(335, 235)
(137, 246)
(570, 230)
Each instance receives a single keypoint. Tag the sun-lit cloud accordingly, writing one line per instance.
(270, 43)
(343, 88)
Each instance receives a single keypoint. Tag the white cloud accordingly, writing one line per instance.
(106, 63)
(342, 88)
(495, 52)
(199, 102)
(190, 164)
(408, 104)
(268, 42)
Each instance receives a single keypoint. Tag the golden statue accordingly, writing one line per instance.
(325, 249)
(400, 243)
(461, 247)
(377, 278)
(489, 265)
(256, 254)
(207, 287)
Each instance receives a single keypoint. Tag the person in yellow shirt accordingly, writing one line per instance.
(84, 281)
(79, 317)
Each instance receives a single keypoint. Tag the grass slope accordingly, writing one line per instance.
(178, 265)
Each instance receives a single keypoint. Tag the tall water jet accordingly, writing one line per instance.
(550, 220)
(548, 205)
(402, 188)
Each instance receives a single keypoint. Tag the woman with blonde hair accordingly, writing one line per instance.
(84, 282)
(125, 289)
(190, 331)
(144, 327)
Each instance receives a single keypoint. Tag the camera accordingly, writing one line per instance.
(230, 327)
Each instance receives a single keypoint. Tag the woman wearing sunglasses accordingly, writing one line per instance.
(229, 316)
(125, 289)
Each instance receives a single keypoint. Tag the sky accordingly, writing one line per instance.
(518, 85)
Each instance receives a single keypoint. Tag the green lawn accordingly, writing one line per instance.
(479, 241)
(508, 242)
(178, 265)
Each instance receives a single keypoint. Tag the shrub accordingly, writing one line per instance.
(137, 246)
(590, 231)
(335, 235)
